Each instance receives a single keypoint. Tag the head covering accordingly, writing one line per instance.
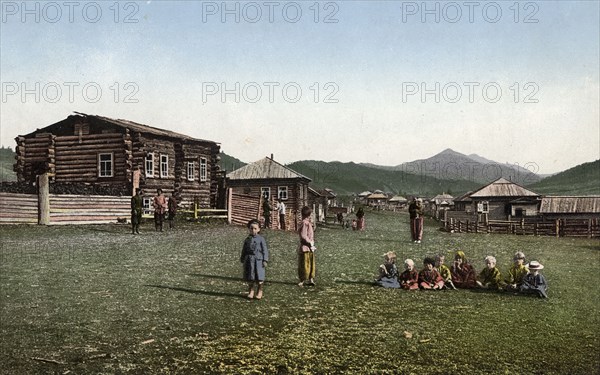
(409, 262)
(519, 255)
(461, 255)
(390, 255)
(534, 265)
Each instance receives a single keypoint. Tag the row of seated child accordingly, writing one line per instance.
(435, 275)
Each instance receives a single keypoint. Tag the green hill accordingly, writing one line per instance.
(350, 178)
(7, 160)
(583, 179)
(229, 163)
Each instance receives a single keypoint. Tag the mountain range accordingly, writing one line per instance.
(448, 171)
(452, 165)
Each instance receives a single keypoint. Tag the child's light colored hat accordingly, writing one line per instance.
(534, 265)
(390, 255)
(519, 255)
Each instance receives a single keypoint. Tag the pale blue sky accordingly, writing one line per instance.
(369, 55)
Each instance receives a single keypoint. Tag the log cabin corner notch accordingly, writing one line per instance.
(100, 151)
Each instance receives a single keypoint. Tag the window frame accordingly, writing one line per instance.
(203, 169)
(149, 171)
(190, 171)
(111, 161)
(164, 173)
(266, 189)
(281, 189)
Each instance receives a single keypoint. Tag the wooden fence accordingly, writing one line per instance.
(63, 209)
(536, 227)
(18, 208)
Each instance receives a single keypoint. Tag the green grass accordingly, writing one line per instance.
(91, 297)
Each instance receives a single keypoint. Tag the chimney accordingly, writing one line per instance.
(271, 156)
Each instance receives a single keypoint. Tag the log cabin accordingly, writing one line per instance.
(116, 156)
(270, 179)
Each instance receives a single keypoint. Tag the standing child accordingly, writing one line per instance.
(429, 277)
(463, 273)
(388, 272)
(137, 207)
(444, 271)
(516, 273)
(255, 256)
(534, 282)
(306, 250)
(409, 278)
(490, 277)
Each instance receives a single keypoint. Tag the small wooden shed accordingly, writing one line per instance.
(502, 199)
(267, 178)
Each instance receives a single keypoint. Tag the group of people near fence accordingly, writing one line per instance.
(435, 275)
(164, 208)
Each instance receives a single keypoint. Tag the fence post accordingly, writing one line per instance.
(467, 226)
(43, 200)
(228, 197)
(557, 227)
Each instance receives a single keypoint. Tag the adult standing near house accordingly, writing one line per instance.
(281, 211)
(160, 207)
(360, 219)
(172, 210)
(306, 250)
(137, 206)
(415, 210)
(267, 211)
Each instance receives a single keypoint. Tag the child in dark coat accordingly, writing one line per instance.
(534, 282)
(255, 256)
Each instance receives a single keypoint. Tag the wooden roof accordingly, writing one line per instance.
(377, 196)
(503, 188)
(365, 193)
(466, 197)
(398, 198)
(266, 168)
(570, 204)
(125, 124)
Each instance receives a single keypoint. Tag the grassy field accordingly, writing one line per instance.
(95, 299)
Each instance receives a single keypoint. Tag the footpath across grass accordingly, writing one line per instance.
(97, 300)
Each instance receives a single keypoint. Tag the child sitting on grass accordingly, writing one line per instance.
(490, 277)
(516, 273)
(534, 282)
(388, 272)
(409, 278)
(429, 277)
(463, 273)
(255, 256)
(444, 271)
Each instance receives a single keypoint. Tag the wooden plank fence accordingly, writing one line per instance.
(18, 208)
(559, 228)
(64, 209)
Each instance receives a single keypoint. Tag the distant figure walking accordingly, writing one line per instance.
(137, 207)
(306, 250)
(172, 209)
(281, 211)
(415, 210)
(160, 207)
(360, 219)
(267, 211)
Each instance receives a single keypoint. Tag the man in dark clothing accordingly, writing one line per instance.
(415, 209)
(137, 206)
